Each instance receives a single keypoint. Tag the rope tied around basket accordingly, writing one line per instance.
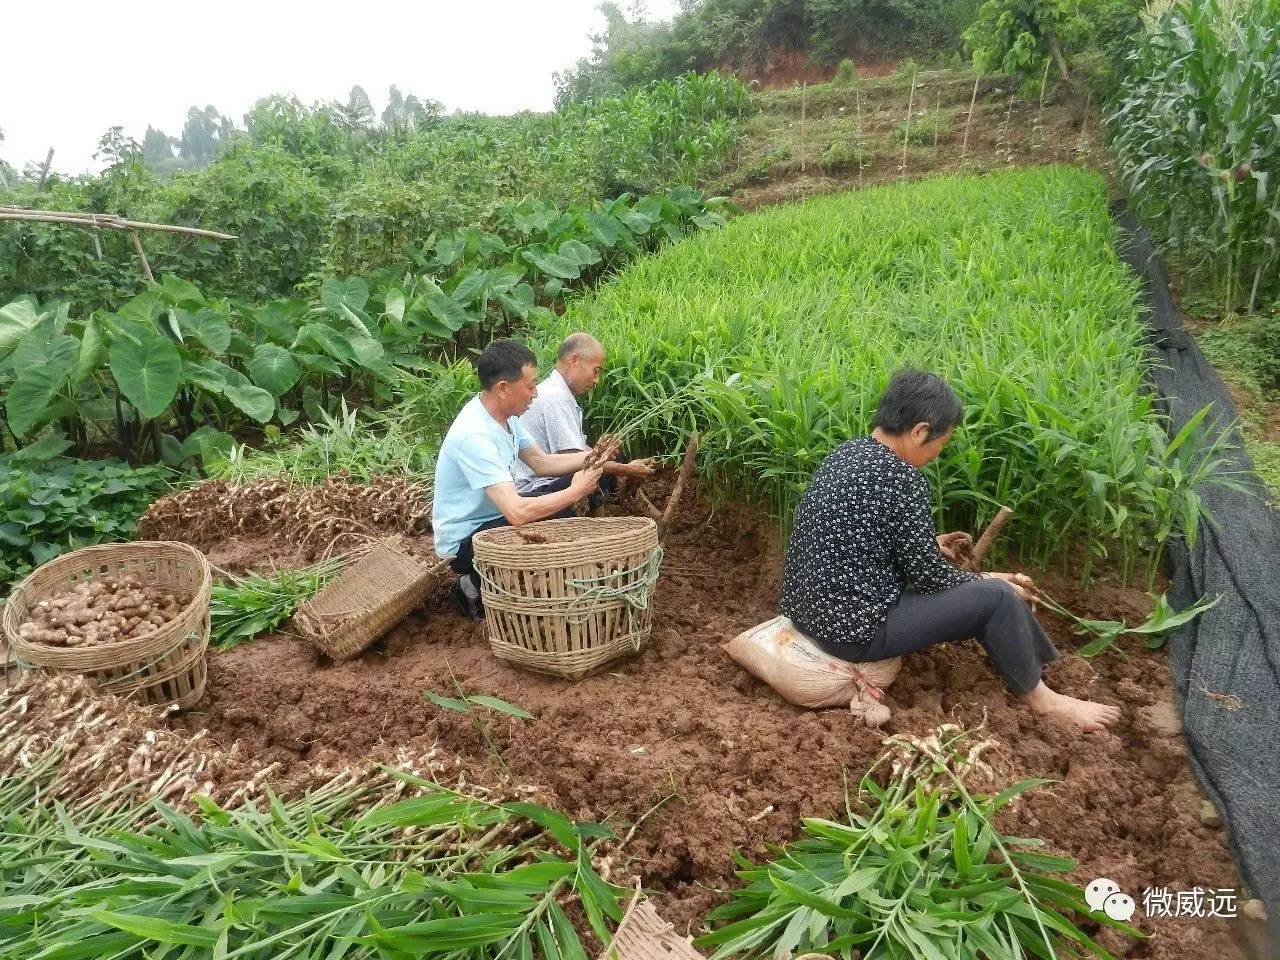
(634, 595)
(595, 592)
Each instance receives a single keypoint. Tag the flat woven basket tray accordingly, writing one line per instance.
(368, 598)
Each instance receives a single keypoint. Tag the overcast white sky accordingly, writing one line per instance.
(72, 69)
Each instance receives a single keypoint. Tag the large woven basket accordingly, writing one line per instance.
(165, 666)
(363, 602)
(575, 602)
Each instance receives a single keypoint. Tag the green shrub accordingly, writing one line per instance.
(846, 73)
(51, 504)
(924, 130)
(840, 157)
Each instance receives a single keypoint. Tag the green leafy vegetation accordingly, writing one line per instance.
(742, 34)
(918, 869)
(173, 373)
(50, 505)
(1155, 628)
(317, 191)
(1197, 142)
(347, 870)
(245, 607)
(1010, 289)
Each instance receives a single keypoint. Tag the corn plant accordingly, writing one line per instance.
(1196, 135)
(917, 870)
(1008, 286)
(347, 871)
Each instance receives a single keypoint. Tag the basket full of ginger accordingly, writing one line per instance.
(132, 616)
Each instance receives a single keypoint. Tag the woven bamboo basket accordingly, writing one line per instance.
(363, 602)
(165, 666)
(575, 602)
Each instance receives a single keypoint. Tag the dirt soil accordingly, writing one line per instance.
(736, 765)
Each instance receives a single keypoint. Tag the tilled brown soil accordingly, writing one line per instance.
(732, 765)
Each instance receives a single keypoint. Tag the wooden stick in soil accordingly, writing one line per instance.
(686, 471)
(968, 121)
(647, 506)
(803, 91)
(988, 537)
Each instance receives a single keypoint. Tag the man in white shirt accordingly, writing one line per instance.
(475, 484)
(554, 419)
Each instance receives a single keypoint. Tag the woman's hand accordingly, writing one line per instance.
(1022, 585)
(955, 546)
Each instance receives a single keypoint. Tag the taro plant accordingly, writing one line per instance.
(173, 374)
(1196, 134)
(916, 869)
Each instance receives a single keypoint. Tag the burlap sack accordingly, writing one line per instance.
(789, 662)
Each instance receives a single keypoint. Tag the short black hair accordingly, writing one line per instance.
(504, 359)
(915, 396)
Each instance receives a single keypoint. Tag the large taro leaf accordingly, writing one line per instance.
(147, 371)
(181, 292)
(552, 264)
(443, 307)
(469, 287)
(93, 349)
(273, 368)
(27, 402)
(352, 292)
(207, 326)
(251, 401)
(278, 320)
(347, 298)
(605, 227)
(16, 319)
(329, 341)
(582, 254)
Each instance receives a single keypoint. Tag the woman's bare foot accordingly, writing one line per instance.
(1088, 716)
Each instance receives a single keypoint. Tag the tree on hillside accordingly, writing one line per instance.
(406, 114)
(204, 134)
(631, 51)
(1016, 36)
(356, 115)
(157, 146)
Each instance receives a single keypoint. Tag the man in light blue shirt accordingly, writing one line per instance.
(475, 474)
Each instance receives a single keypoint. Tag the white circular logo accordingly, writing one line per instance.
(1118, 906)
(1096, 893)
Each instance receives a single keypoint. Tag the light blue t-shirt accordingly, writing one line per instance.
(477, 453)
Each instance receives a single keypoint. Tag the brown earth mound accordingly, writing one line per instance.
(730, 764)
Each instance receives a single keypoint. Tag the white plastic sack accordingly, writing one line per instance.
(793, 665)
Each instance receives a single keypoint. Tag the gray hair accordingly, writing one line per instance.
(581, 343)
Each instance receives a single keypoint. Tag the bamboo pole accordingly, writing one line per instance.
(906, 130)
(804, 89)
(857, 109)
(968, 121)
(108, 220)
(142, 256)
